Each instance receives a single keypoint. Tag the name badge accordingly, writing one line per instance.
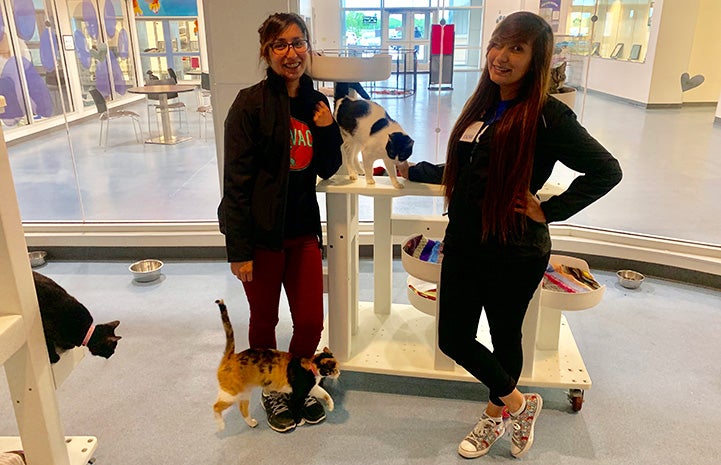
(474, 130)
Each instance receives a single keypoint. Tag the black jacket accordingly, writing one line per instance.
(257, 163)
(560, 138)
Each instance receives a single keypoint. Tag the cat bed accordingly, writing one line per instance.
(421, 257)
(569, 285)
(422, 295)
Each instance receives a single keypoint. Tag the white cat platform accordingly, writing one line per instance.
(388, 338)
(351, 69)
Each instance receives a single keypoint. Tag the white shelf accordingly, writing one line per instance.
(403, 343)
(80, 448)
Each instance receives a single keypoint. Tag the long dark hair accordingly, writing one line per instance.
(274, 26)
(514, 137)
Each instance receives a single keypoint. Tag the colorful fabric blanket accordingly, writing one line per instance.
(562, 278)
(424, 249)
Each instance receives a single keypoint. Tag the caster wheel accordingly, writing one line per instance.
(575, 396)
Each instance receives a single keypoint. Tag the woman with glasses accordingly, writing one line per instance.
(279, 137)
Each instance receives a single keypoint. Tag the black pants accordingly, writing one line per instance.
(503, 288)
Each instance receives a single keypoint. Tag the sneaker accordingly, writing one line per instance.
(481, 438)
(522, 438)
(280, 418)
(312, 411)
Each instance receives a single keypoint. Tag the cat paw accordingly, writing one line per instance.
(220, 424)
(370, 180)
(398, 185)
(353, 177)
(252, 422)
(329, 404)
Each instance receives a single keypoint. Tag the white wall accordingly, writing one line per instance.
(326, 24)
(233, 52)
(678, 19)
(495, 9)
(706, 54)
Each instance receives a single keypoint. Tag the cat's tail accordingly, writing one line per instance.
(229, 335)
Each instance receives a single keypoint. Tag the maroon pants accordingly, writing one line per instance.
(299, 269)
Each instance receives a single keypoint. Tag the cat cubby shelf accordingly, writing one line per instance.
(388, 338)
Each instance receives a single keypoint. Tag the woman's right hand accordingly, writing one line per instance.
(242, 270)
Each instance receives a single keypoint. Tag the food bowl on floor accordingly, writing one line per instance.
(146, 270)
(629, 279)
(37, 258)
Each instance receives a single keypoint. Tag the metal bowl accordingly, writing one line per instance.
(37, 258)
(629, 279)
(146, 270)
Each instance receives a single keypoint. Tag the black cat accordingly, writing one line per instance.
(67, 323)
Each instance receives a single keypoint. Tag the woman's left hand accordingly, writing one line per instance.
(322, 116)
(532, 209)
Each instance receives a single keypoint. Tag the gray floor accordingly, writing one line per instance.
(650, 353)
(670, 158)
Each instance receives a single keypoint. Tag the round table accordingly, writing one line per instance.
(162, 91)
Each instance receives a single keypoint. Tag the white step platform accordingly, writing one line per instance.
(402, 343)
(80, 448)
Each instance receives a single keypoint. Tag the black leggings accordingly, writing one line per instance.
(504, 289)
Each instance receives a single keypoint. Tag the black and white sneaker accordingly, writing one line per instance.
(280, 417)
(312, 411)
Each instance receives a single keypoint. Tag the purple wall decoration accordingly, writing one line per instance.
(42, 102)
(47, 44)
(109, 15)
(118, 79)
(81, 49)
(102, 80)
(24, 18)
(10, 89)
(90, 17)
(123, 44)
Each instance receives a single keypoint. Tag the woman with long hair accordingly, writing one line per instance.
(501, 151)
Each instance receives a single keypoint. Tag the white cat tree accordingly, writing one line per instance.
(389, 338)
(23, 353)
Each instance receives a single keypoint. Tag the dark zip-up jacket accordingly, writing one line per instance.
(560, 138)
(257, 165)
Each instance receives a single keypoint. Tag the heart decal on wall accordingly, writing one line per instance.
(688, 83)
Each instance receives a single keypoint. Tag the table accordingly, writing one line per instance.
(162, 92)
(389, 338)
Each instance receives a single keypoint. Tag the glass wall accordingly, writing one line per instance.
(33, 79)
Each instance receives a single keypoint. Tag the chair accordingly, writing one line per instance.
(107, 115)
(205, 108)
(205, 87)
(173, 76)
(153, 103)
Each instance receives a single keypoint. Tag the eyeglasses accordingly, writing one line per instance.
(281, 47)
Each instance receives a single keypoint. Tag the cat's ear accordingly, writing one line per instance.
(113, 324)
(114, 338)
(326, 350)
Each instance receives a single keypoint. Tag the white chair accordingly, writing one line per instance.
(107, 115)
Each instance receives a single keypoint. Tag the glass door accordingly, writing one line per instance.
(408, 31)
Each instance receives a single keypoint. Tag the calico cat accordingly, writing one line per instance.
(270, 369)
(558, 77)
(367, 128)
(67, 323)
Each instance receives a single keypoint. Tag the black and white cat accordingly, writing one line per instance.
(67, 323)
(367, 128)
